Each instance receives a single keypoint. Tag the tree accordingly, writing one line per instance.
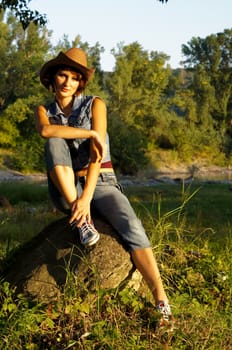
(21, 56)
(207, 99)
(137, 83)
(211, 60)
(136, 106)
(22, 12)
(22, 53)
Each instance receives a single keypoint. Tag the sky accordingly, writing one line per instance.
(155, 26)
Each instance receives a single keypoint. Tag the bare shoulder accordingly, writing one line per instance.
(40, 111)
(99, 102)
(40, 108)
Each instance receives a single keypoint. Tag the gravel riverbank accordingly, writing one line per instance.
(213, 174)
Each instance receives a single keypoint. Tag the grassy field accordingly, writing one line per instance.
(190, 229)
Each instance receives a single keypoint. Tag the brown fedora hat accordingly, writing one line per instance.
(75, 58)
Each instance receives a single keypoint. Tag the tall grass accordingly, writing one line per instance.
(190, 229)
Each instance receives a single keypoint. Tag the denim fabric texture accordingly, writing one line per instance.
(113, 206)
(81, 117)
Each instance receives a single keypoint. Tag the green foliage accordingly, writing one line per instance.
(31, 204)
(19, 318)
(18, 133)
(20, 61)
(13, 115)
(29, 155)
(23, 12)
(211, 59)
(22, 54)
(135, 104)
(30, 192)
(124, 141)
(136, 86)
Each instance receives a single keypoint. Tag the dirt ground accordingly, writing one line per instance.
(10, 175)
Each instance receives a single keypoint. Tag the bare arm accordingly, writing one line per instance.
(99, 124)
(46, 130)
(81, 208)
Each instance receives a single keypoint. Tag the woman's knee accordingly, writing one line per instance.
(56, 145)
(57, 153)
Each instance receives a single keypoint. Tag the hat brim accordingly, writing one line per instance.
(62, 60)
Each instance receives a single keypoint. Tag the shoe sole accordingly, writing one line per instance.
(91, 242)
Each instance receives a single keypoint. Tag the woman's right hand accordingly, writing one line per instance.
(100, 144)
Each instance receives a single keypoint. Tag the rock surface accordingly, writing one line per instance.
(40, 268)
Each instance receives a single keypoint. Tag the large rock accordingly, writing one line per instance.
(40, 268)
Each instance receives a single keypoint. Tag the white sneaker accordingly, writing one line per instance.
(88, 234)
(166, 319)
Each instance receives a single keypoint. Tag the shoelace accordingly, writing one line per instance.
(88, 234)
(85, 228)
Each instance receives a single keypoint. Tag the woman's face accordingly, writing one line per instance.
(66, 82)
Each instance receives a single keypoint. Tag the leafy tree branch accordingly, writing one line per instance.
(21, 11)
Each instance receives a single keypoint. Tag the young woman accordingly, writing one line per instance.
(79, 168)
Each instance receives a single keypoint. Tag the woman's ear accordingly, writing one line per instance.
(81, 86)
(51, 88)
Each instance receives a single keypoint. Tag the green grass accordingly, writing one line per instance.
(32, 211)
(207, 207)
(190, 229)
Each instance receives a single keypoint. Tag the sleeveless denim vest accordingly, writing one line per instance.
(81, 117)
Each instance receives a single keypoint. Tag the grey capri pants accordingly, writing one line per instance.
(108, 199)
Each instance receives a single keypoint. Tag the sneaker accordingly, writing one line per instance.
(166, 319)
(88, 234)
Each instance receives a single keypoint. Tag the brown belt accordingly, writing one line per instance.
(83, 172)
